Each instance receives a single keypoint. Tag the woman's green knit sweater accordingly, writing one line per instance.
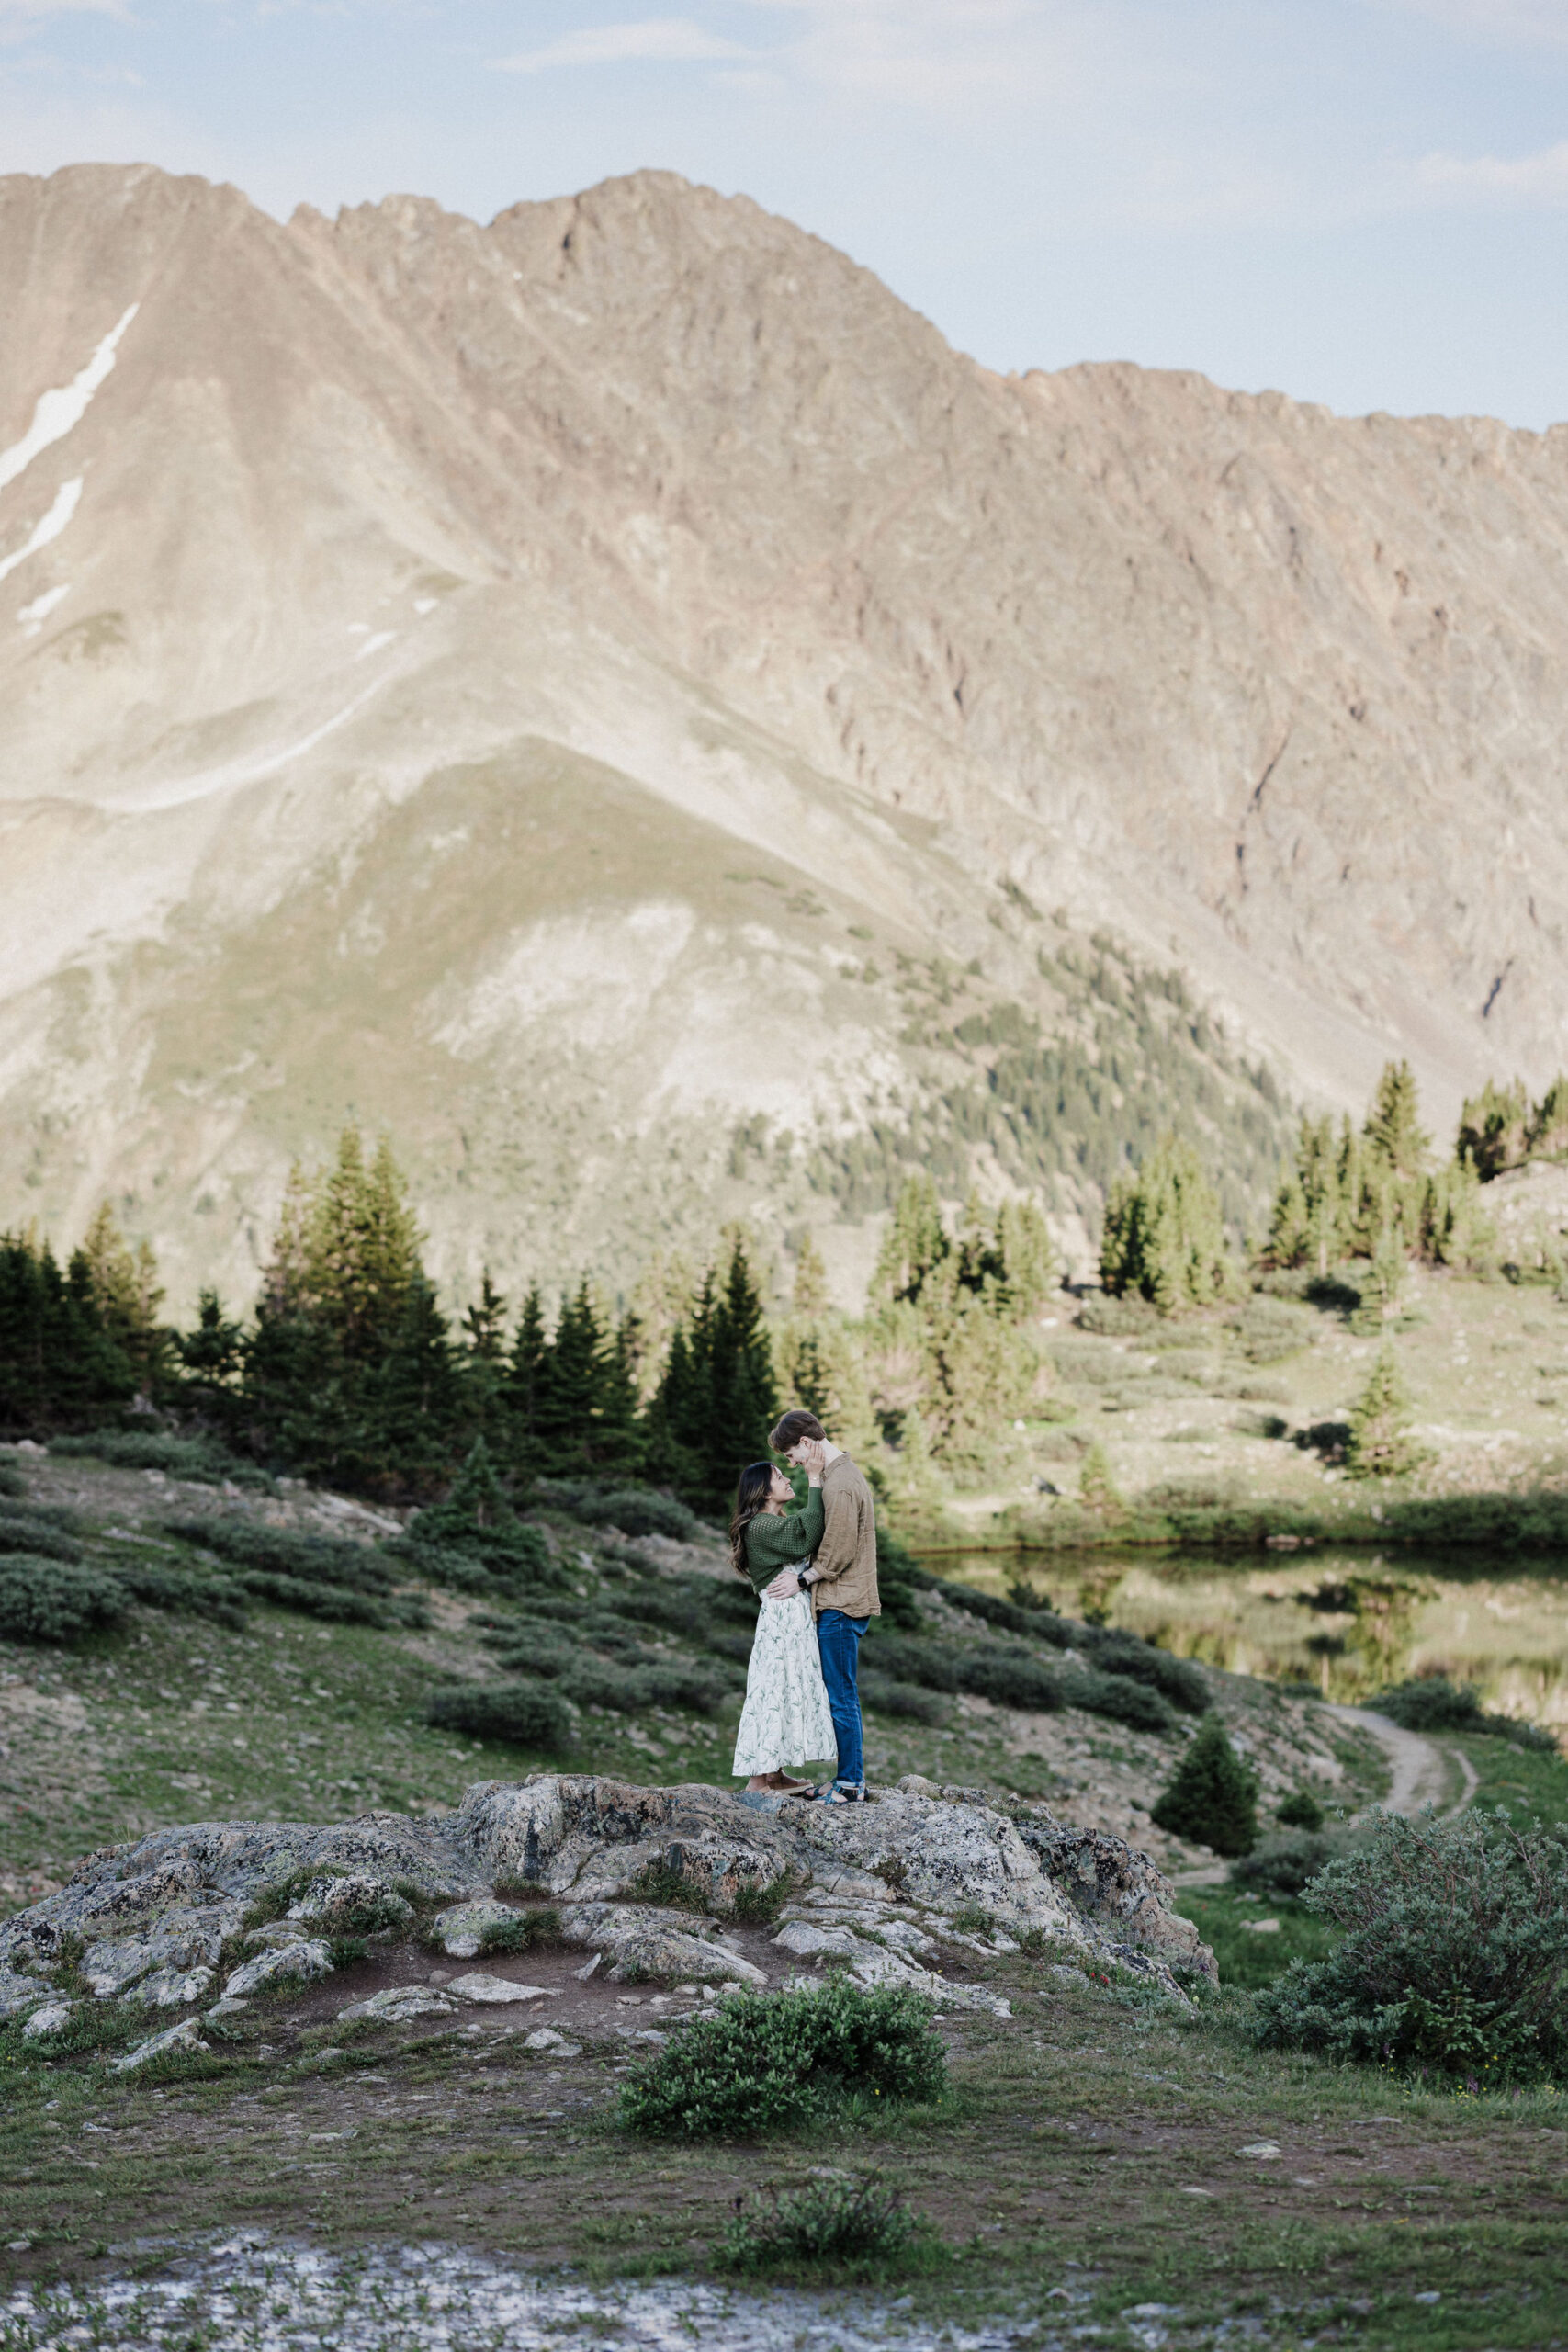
(776, 1540)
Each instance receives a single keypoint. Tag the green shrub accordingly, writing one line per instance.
(1211, 1797)
(1009, 1678)
(529, 1930)
(636, 1510)
(845, 2224)
(333, 1603)
(443, 1565)
(56, 1600)
(196, 1458)
(1176, 1679)
(987, 1606)
(526, 1714)
(931, 1664)
(1454, 1953)
(757, 1902)
(903, 1699)
(1301, 1809)
(1285, 1865)
(1433, 1703)
(627, 1690)
(765, 2060)
(180, 1592)
(899, 1580)
(1118, 1699)
(12, 1481)
(246, 1544)
(32, 1532)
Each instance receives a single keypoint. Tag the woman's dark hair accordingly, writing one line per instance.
(749, 1496)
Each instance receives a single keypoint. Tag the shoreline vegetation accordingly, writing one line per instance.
(976, 1370)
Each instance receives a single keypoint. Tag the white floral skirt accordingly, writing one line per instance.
(787, 1718)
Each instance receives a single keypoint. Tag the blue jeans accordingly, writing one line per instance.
(838, 1643)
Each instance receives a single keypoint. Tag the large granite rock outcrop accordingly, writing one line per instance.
(874, 1887)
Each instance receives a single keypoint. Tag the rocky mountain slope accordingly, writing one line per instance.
(554, 688)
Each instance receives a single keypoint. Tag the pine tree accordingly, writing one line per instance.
(413, 1416)
(126, 1295)
(567, 1393)
(1028, 1258)
(1163, 1234)
(916, 1242)
(1394, 1131)
(1548, 1122)
(521, 1385)
(677, 1418)
(1494, 1129)
(1098, 1490)
(743, 1397)
(484, 1353)
(361, 1248)
(59, 1369)
(1381, 1445)
(617, 1430)
(809, 1298)
(1211, 1797)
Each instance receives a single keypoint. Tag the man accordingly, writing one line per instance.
(842, 1581)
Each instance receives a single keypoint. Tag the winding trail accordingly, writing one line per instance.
(1422, 1771)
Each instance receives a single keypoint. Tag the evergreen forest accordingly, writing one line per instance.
(352, 1369)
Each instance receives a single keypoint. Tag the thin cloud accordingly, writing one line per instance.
(664, 40)
(1510, 24)
(1528, 181)
(17, 14)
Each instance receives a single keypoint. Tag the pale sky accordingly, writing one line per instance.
(1357, 201)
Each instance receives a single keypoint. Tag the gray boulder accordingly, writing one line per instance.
(1112, 1884)
(172, 1988)
(186, 2035)
(641, 1940)
(47, 2020)
(396, 2004)
(157, 1911)
(461, 1931)
(20, 1994)
(296, 1964)
(357, 1905)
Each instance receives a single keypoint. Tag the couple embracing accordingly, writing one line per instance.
(814, 1571)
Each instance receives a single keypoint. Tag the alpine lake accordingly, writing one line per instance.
(1344, 1620)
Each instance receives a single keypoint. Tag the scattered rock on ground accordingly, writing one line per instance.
(461, 1931)
(186, 2035)
(476, 1986)
(291, 1964)
(396, 2003)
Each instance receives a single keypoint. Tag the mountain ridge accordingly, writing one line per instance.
(642, 515)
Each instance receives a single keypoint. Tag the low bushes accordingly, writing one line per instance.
(1454, 1955)
(196, 1458)
(1118, 1699)
(905, 1699)
(320, 1575)
(38, 1532)
(764, 2061)
(56, 1600)
(1176, 1678)
(636, 1510)
(1436, 1704)
(527, 1714)
(841, 2224)
(1285, 1865)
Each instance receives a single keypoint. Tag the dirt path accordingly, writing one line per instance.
(1422, 1771)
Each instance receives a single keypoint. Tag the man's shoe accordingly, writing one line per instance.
(851, 1792)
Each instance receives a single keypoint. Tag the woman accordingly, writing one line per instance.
(786, 1719)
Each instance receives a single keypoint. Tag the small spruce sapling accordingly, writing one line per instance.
(1381, 1445)
(1211, 1797)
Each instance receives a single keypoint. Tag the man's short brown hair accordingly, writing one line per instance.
(793, 1428)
